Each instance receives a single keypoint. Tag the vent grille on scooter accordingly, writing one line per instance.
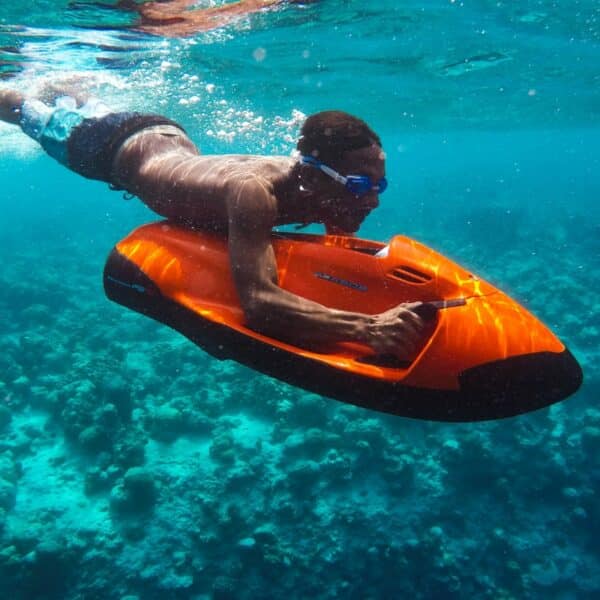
(409, 275)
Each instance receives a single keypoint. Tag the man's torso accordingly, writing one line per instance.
(166, 171)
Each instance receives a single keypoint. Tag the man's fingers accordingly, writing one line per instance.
(405, 350)
(411, 319)
(402, 331)
(408, 348)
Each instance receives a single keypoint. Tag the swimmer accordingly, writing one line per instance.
(171, 18)
(335, 180)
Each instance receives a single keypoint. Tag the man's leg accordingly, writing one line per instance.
(105, 146)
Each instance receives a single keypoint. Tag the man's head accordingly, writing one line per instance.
(328, 135)
(344, 167)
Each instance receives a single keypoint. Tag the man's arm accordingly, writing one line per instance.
(273, 311)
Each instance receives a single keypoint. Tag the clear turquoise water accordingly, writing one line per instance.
(489, 114)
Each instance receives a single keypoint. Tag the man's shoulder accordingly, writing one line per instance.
(251, 202)
(250, 192)
(269, 168)
(251, 178)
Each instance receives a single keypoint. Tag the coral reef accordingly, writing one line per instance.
(134, 466)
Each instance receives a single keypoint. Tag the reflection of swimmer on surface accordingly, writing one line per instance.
(336, 180)
(172, 19)
(10, 61)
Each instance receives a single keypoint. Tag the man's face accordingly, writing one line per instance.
(344, 210)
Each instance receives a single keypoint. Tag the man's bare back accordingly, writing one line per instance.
(165, 170)
(335, 181)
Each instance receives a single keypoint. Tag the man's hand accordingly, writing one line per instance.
(397, 331)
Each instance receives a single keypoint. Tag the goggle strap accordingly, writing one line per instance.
(310, 160)
(356, 180)
(333, 174)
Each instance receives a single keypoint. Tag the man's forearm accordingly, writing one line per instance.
(299, 321)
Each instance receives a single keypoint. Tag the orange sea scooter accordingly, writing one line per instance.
(485, 357)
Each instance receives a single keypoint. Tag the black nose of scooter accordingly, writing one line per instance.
(520, 384)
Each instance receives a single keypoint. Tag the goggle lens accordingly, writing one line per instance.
(362, 184)
(356, 184)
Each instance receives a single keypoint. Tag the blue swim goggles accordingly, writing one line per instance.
(359, 185)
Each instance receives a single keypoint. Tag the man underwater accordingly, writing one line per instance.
(180, 18)
(336, 181)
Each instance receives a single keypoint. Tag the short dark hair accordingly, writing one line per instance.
(328, 134)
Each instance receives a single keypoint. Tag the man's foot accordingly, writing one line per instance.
(10, 106)
(70, 86)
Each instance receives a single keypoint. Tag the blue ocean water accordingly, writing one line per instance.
(134, 465)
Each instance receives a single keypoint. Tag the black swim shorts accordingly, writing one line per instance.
(94, 143)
